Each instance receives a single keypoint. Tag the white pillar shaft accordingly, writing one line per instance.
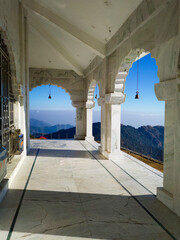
(103, 128)
(170, 128)
(169, 194)
(27, 118)
(80, 124)
(89, 124)
(113, 122)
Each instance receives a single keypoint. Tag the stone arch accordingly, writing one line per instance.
(118, 68)
(15, 86)
(97, 76)
(66, 79)
(91, 89)
(54, 84)
(123, 70)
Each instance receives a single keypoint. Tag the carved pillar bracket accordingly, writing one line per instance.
(90, 104)
(166, 90)
(101, 101)
(78, 104)
(115, 98)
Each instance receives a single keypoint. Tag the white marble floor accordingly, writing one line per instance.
(67, 190)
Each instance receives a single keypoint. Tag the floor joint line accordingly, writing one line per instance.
(153, 217)
(126, 155)
(133, 178)
(21, 199)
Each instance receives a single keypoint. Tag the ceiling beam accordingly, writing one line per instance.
(94, 44)
(67, 57)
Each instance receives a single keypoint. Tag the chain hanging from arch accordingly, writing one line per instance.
(49, 92)
(137, 92)
(96, 92)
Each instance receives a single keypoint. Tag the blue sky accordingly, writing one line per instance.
(145, 111)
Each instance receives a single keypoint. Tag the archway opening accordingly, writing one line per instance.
(51, 118)
(142, 129)
(96, 116)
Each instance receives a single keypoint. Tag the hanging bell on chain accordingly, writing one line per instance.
(49, 91)
(137, 92)
(137, 95)
(96, 92)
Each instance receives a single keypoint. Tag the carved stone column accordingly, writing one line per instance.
(101, 102)
(113, 103)
(89, 118)
(80, 120)
(169, 194)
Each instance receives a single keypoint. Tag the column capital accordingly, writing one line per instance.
(90, 104)
(78, 104)
(101, 101)
(167, 90)
(115, 98)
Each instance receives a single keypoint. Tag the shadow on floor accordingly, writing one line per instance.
(88, 215)
(65, 153)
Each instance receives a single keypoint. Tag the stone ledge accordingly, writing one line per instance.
(4, 185)
(11, 174)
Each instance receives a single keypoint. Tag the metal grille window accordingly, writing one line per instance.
(6, 99)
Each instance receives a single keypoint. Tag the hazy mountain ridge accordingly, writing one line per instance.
(146, 140)
(38, 128)
(37, 123)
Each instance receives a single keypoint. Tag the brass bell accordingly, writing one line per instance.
(137, 95)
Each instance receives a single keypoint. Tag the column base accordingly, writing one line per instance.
(100, 149)
(165, 197)
(79, 137)
(89, 139)
(111, 156)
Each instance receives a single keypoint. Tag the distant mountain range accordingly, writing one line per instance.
(37, 128)
(146, 140)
